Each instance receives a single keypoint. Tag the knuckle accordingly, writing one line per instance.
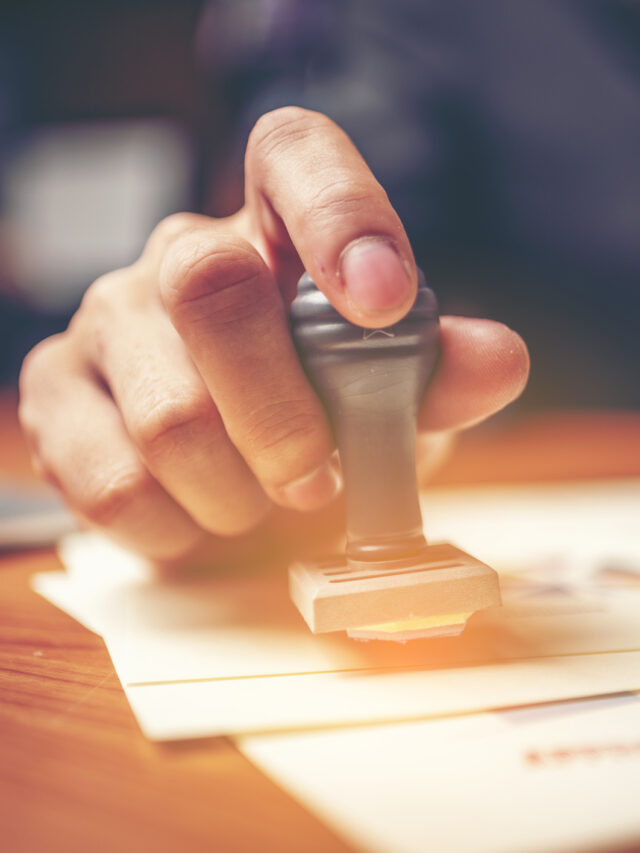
(40, 372)
(27, 414)
(101, 292)
(275, 427)
(30, 423)
(100, 299)
(41, 378)
(106, 306)
(37, 362)
(170, 426)
(105, 501)
(222, 283)
(278, 129)
(172, 227)
(342, 196)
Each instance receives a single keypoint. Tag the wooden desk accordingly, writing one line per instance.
(75, 772)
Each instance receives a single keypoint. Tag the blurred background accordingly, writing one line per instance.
(506, 134)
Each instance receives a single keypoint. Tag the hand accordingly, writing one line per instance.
(175, 405)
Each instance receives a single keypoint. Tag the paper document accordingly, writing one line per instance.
(231, 654)
(563, 777)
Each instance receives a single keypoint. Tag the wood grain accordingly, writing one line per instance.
(75, 772)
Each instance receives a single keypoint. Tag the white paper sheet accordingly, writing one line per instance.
(235, 706)
(561, 778)
(231, 654)
(224, 702)
(239, 627)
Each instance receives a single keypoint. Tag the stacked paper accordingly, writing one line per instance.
(230, 655)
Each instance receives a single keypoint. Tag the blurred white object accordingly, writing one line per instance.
(31, 517)
(81, 199)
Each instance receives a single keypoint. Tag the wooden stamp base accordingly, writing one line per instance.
(430, 595)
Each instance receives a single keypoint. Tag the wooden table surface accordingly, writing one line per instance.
(75, 772)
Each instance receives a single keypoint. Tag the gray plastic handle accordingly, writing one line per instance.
(371, 382)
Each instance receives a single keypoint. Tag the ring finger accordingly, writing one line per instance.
(173, 421)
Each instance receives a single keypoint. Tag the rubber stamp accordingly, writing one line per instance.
(389, 583)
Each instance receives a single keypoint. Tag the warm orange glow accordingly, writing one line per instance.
(423, 624)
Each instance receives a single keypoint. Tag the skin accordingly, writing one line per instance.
(174, 410)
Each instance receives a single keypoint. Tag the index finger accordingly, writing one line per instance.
(309, 190)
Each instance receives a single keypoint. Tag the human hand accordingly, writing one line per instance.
(174, 405)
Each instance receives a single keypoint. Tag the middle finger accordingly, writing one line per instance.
(227, 308)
